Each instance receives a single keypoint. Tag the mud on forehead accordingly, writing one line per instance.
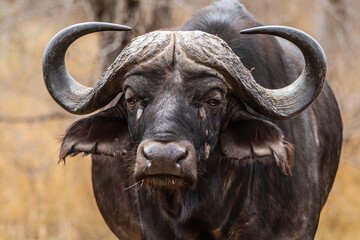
(161, 51)
(190, 51)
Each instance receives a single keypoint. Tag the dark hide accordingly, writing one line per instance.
(254, 178)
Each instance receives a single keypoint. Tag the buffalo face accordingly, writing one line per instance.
(175, 118)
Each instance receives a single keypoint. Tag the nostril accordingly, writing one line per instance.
(145, 153)
(182, 157)
(146, 158)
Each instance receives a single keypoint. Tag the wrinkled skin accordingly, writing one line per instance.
(240, 181)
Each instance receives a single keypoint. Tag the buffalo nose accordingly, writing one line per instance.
(169, 158)
(167, 153)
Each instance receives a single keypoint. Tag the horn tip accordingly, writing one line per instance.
(125, 28)
(249, 30)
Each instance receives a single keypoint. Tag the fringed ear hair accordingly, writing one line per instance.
(104, 133)
(254, 140)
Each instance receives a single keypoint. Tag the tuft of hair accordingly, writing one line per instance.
(287, 164)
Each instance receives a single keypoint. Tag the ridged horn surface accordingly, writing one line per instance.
(66, 91)
(291, 100)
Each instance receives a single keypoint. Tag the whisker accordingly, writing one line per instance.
(134, 185)
(126, 181)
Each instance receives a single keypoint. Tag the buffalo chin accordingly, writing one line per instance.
(169, 190)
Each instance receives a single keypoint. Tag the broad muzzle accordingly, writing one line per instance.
(166, 164)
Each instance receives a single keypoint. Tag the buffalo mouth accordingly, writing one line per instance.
(167, 181)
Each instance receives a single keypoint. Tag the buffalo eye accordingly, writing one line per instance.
(131, 101)
(131, 98)
(213, 102)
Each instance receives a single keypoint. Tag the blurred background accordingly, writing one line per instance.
(41, 199)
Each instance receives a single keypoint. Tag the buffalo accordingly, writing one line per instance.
(218, 130)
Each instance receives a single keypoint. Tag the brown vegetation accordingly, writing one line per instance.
(40, 199)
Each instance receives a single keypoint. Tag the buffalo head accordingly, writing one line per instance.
(180, 100)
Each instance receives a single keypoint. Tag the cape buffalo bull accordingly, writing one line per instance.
(207, 135)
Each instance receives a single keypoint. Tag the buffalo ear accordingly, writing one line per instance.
(256, 140)
(104, 133)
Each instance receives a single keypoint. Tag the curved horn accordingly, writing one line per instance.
(291, 100)
(67, 92)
